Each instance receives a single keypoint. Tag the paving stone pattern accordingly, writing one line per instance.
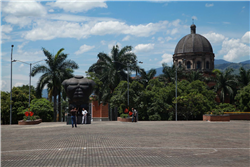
(163, 143)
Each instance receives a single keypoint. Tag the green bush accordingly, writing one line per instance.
(124, 115)
(221, 108)
(155, 117)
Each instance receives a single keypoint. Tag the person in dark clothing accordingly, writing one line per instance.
(134, 114)
(73, 117)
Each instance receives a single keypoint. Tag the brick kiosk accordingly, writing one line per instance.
(99, 112)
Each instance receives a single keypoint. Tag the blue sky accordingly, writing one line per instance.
(83, 29)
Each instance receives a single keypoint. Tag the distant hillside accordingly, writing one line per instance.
(218, 64)
(220, 61)
(235, 66)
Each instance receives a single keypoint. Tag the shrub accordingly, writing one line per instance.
(124, 115)
(155, 117)
(221, 108)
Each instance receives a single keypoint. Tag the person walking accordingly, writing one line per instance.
(134, 114)
(84, 116)
(73, 117)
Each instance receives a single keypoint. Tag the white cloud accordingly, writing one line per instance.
(51, 10)
(246, 38)
(166, 58)
(20, 9)
(160, 39)
(214, 38)
(21, 21)
(234, 49)
(21, 46)
(174, 31)
(47, 30)
(84, 48)
(18, 84)
(194, 17)
(6, 28)
(168, 38)
(2, 85)
(144, 47)
(75, 6)
(127, 38)
(209, 5)
(4, 36)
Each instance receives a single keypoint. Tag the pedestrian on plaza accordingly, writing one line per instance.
(134, 115)
(73, 117)
(84, 116)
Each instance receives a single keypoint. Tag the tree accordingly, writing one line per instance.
(5, 107)
(42, 108)
(145, 77)
(195, 75)
(243, 77)
(169, 73)
(194, 99)
(112, 69)
(242, 99)
(226, 85)
(56, 70)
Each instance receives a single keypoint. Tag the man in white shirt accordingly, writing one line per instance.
(84, 115)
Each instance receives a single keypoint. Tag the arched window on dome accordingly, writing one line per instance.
(188, 65)
(179, 64)
(198, 65)
(207, 65)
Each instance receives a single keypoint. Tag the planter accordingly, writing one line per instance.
(222, 118)
(124, 119)
(239, 115)
(22, 122)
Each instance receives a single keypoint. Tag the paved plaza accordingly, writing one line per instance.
(163, 143)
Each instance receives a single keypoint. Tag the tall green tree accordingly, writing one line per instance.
(169, 73)
(57, 69)
(112, 69)
(146, 77)
(242, 99)
(226, 85)
(243, 77)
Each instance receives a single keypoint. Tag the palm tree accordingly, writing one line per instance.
(195, 75)
(168, 74)
(226, 85)
(243, 77)
(56, 70)
(146, 77)
(112, 69)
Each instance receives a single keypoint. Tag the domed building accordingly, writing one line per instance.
(194, 52)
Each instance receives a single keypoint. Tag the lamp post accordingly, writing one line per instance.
(11, 84)
(183, 62)
(176, 91)
(30, 73)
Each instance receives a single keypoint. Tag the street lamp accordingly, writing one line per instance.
(11, 84)
(30, 73)
(183, 61)
(176, 91)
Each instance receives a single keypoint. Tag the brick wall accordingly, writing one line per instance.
(100, 111)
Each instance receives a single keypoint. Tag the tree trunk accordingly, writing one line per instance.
(54, 108)
(59, 106)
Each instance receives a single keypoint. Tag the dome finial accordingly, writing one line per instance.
(193, 28)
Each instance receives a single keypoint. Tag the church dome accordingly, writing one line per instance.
(192, 43)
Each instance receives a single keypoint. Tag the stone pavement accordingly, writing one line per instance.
(163, 143)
